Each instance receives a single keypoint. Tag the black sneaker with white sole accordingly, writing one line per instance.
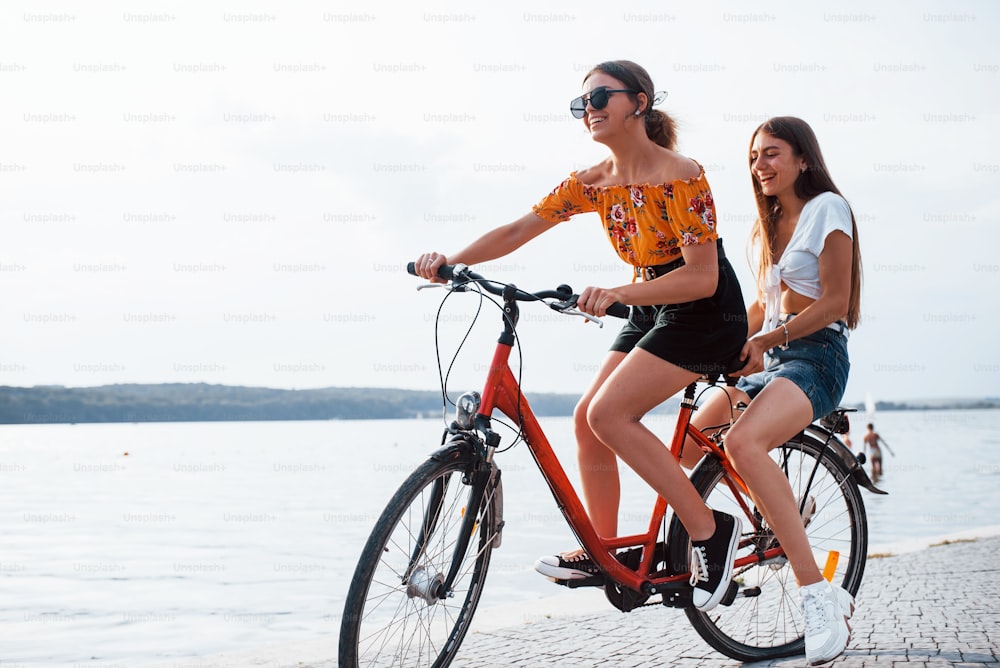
(712, 562)
(572, 571)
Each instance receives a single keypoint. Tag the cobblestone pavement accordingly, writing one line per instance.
(939, 606)
(936, 607)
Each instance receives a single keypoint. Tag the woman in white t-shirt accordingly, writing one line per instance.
(808, 298)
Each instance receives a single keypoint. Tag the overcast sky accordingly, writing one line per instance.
(228, 192)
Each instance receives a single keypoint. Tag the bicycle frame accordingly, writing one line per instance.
(502, 392)
(421, 573)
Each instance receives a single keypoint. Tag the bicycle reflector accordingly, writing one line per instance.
(465, 410)
(830, 569)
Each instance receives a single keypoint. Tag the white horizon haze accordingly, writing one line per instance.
(229, 192)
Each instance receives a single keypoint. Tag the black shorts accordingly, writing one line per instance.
(702, 336)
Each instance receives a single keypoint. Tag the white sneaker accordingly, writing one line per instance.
(827, 610)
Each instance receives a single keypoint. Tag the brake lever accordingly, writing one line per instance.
(568, 307)
(459, 280)
(451, 287)
(585, 316)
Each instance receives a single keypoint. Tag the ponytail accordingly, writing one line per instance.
(661, 128)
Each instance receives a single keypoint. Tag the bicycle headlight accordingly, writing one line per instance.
(466, 409)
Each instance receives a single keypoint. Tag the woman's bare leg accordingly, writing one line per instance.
(639, 383)
(599, 479)
(779, 412)
(718, 409)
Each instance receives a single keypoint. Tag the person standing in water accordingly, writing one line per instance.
(872, 442)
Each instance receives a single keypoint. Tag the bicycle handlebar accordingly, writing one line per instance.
(564, 293)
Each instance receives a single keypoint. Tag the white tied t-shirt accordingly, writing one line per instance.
(798, 267)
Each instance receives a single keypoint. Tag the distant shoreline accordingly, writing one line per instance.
(202, 402)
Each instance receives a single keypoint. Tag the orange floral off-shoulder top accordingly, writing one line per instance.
(646, 224)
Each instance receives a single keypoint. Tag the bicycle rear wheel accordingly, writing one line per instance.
(394, 614)
(765, 620)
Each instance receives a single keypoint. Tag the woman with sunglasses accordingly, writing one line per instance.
(809, 294)
(687, 313)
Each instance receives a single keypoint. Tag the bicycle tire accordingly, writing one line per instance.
(765, 620)
(393, 618)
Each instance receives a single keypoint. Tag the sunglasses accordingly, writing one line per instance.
(598, 99)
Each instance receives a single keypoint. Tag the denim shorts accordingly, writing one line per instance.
(818, 364)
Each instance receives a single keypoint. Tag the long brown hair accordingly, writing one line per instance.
(660, 127)
(814, 181)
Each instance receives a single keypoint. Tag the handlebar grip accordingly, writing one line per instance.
(445, 271)
(618, 310)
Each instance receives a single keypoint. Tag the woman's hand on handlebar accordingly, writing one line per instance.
(596, 301)
(427, 266)
(753, 355)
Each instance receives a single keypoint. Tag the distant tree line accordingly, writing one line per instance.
(199, 402)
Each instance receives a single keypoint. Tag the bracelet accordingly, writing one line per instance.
(785, 328)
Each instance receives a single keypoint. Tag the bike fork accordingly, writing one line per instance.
(481, 477)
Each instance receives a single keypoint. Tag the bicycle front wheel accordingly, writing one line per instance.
(765, 620)
(396, 613)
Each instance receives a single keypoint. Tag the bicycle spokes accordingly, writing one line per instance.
(764, 619)
(420, 575)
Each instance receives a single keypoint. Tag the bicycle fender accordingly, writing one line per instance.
(464, 449)
(853, 466)
(455, 450)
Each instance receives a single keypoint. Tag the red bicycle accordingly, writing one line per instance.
(422, 570)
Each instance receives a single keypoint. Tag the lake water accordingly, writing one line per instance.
(129, 544)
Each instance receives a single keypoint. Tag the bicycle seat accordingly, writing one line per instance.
(732, 366)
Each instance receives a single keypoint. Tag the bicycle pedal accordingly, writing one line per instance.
(592, 581)
(677, 598)
(731, 593)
